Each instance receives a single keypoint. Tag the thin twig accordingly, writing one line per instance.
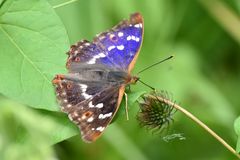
(199, 122)
(64, 4)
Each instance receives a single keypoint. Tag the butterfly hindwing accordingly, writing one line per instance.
(93, 115)
(90, 105)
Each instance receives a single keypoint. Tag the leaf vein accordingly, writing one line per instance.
(24, 55)
(21, 75)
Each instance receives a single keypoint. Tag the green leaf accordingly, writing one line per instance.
(33, 41)
(237, 130)
(131, 99)
(61, 127)
(52, 126)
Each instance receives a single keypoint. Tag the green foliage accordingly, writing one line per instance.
(203, 76)
(22, 136)
(33, 42)
(237, 130)
(28, 133)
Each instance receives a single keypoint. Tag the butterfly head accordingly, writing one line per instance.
(132, 80)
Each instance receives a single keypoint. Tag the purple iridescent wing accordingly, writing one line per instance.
(115, 48)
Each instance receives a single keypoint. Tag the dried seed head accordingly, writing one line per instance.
(155, 111)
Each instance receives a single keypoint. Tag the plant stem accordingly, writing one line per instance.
(224, 15)
(64, 4)
(199, 122)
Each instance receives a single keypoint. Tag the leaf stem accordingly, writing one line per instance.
(199, 122)
(64, 4)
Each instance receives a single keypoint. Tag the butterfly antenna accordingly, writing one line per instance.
(155, 64)
(147, 85)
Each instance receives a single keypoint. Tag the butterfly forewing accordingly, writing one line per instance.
(88, 53)
(115, 48)
(123, 41)
(98, 72)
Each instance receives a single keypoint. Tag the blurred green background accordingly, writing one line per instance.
(204, 76)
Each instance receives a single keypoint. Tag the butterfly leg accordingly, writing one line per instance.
(126, 105)
(128, 88)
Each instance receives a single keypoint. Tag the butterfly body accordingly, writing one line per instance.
(99, 71)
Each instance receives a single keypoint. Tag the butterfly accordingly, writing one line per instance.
(98, 72)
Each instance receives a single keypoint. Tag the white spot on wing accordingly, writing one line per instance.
(120, 34)
(93, 60)
(121, 47)
(83, 86)
(90, 119)
(84, 89)
(138, 25)
(99, 105)
(103, 116)
(133, 38)
(75, 52)
(90, 105)
(86, 96)
(110, 48)
(100, 128)
(111, 36)
(87, 44)
(101, 55)
(69, 105)
(83, 117)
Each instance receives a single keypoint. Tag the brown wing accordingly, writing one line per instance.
(89, 105)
